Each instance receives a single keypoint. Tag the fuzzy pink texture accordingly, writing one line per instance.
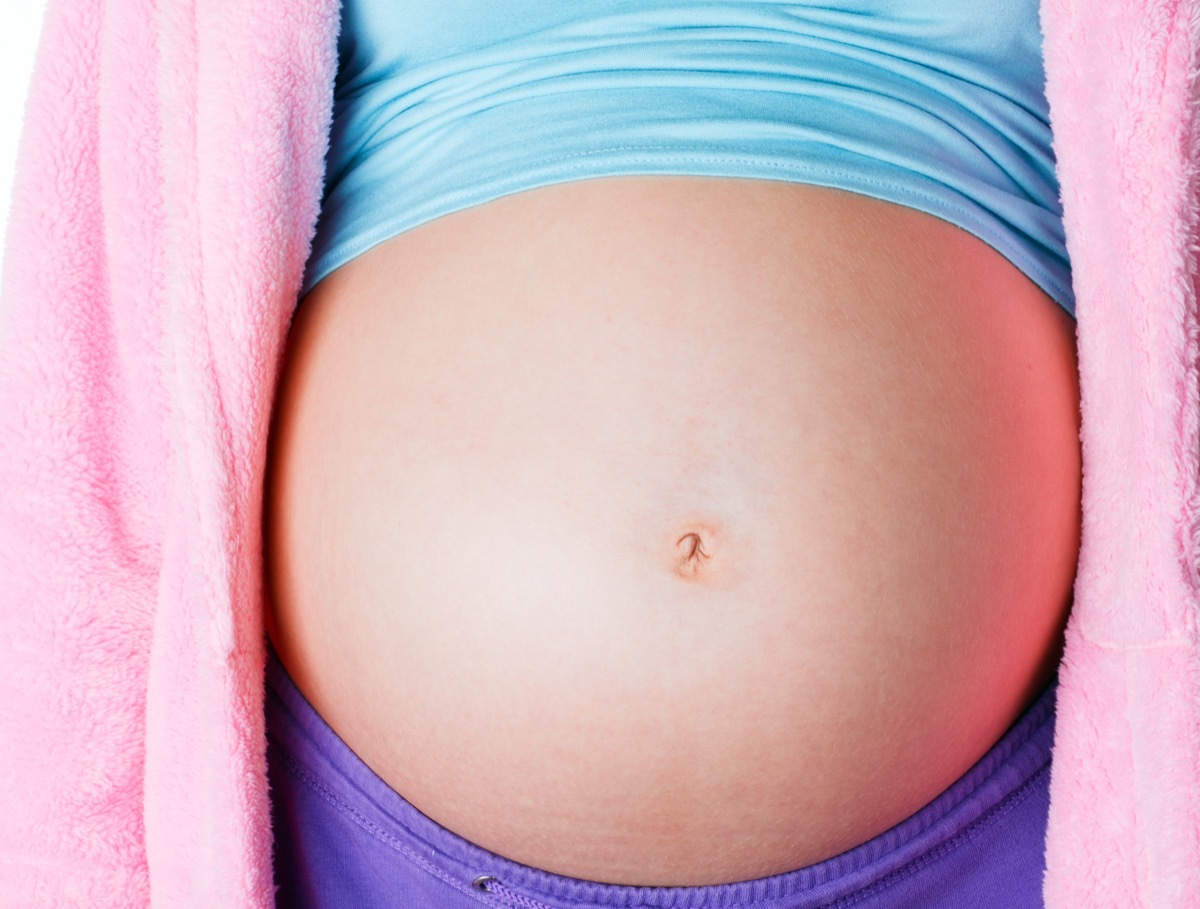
(167, 190)
(1125, 778)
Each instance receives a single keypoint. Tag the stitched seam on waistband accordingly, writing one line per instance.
(297, 770)
(515, 898)
(1011, 801)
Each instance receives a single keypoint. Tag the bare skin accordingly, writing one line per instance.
(674, 531)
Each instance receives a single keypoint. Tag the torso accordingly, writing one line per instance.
(674, 530)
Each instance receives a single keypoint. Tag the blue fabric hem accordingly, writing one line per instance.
(682, 161)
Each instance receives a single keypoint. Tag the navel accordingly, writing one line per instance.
(694, 552)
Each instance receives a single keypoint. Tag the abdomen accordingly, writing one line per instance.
(674, 530)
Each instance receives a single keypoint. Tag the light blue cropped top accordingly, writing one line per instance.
(940, 106)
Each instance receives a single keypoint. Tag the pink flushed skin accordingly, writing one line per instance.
(168, 183)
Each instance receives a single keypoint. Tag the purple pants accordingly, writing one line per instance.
(345, 840)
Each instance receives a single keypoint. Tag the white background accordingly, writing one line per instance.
(20, 23)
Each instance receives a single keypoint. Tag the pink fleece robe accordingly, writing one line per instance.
(167, 188)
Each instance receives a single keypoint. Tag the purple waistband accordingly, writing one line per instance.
(344, 838)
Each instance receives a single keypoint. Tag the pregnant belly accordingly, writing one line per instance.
(661, 530)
